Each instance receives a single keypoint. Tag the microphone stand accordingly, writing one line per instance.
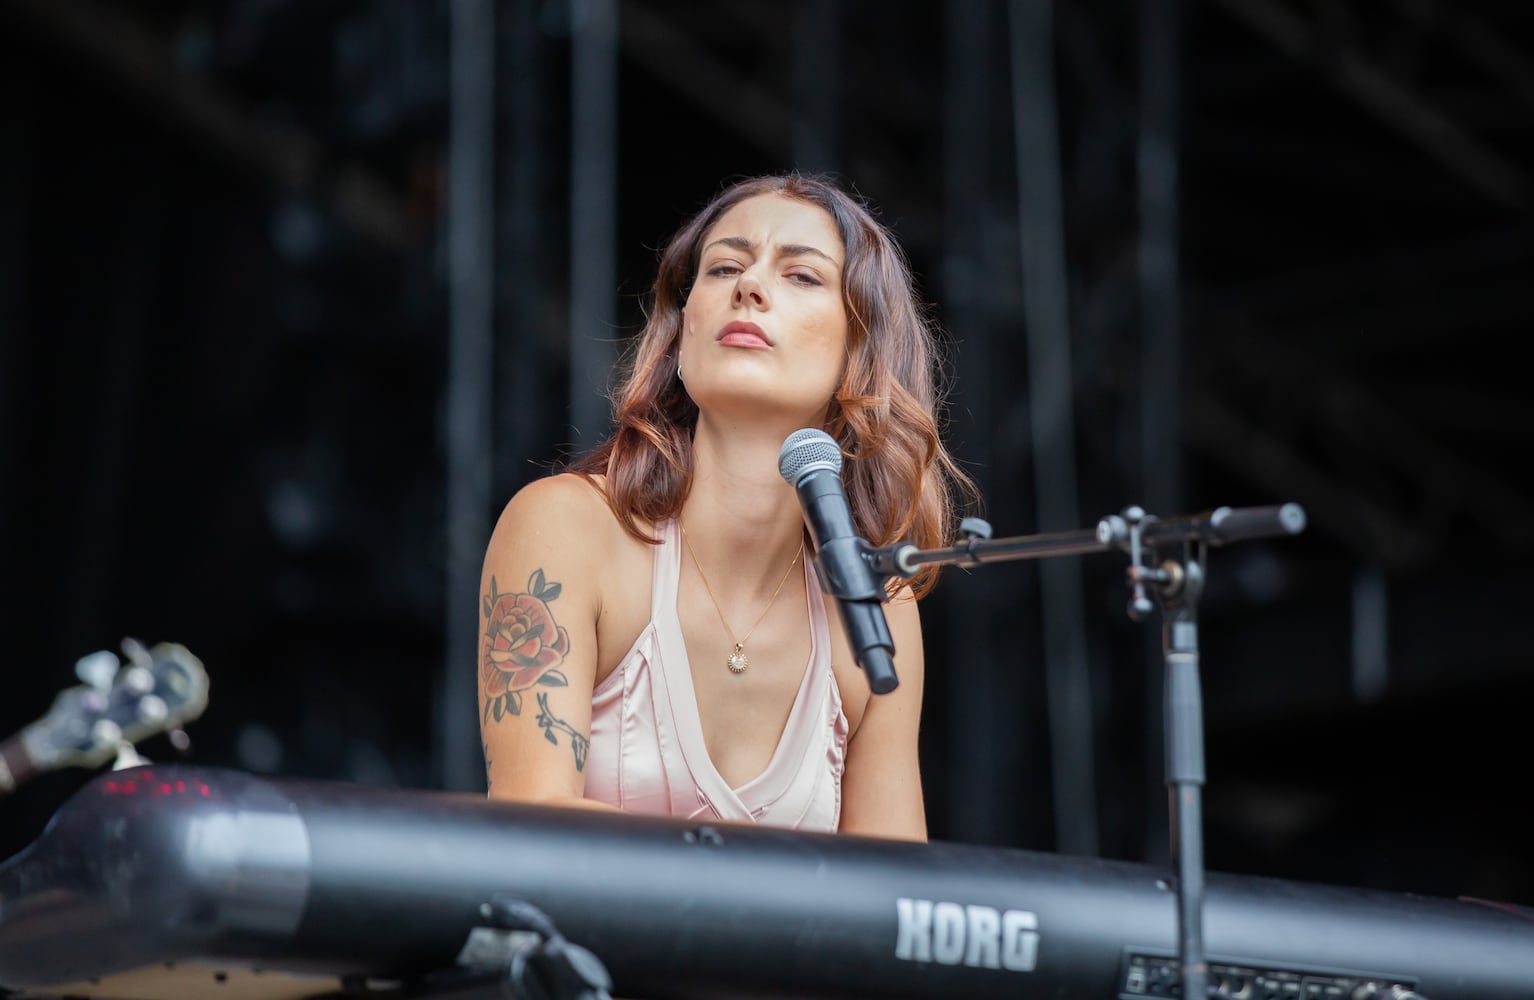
(1176, 585)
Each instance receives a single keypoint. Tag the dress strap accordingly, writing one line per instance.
(665, 573)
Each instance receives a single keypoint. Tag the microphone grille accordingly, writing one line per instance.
(808, 450)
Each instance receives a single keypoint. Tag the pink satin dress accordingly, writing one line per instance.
(647, 751)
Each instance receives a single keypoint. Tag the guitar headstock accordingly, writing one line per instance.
(150, 691)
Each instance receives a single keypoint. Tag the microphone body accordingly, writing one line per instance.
(812, 463)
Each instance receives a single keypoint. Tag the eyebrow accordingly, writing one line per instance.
(784, 249)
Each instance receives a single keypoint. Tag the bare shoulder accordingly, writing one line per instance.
(559, 534)
(556, 524)
(565, 495)
(567, 509)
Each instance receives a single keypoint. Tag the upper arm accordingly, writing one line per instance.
(539, 602)
(881, 786)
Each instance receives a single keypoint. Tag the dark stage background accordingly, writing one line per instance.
(294, 295)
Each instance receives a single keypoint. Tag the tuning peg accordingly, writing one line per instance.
(97, 669)
(105, 732)
(136, 653)
(138, 680)
(152, 709)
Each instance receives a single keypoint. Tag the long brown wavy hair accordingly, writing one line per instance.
(902, 483)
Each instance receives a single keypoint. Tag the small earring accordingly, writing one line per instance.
(679, 371)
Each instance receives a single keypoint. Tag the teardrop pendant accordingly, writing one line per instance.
(737, 661)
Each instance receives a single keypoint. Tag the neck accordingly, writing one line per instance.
(740, 513)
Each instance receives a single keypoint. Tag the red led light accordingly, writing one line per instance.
(164, 789)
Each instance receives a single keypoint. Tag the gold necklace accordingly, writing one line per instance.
(737, 661)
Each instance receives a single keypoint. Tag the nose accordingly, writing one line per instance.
(749, 290)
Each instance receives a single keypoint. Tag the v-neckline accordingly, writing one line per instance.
(689, 720)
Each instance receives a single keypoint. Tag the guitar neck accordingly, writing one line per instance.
(16, 767)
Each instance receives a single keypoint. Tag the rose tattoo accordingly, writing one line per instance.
(522, 646)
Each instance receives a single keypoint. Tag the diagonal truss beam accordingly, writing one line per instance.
(1445, 484)
(1370, 86)
(137, 59)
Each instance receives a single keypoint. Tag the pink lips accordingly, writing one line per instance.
(743, 334)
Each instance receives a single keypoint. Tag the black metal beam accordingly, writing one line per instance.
(593, 215)
(1051, 382)
(471, 282)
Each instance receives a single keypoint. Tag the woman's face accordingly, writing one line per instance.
(764, 330)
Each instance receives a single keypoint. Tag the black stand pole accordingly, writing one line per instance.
(1185, 785)
(1177, 586)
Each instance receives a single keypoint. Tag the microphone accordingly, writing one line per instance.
(812, 464)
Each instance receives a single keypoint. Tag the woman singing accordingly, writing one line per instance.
(654, 635)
